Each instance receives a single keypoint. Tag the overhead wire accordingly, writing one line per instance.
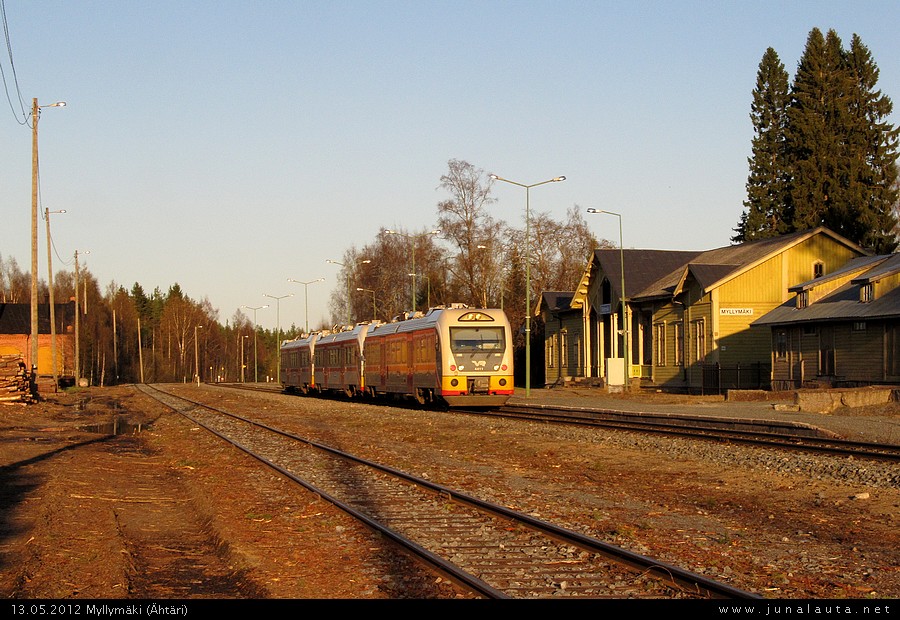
(24, 115)
(60, 259)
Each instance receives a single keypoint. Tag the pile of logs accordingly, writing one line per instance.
(16, 382)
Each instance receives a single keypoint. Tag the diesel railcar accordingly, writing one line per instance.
(456, 355)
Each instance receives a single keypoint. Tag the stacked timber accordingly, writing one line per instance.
(16, 383)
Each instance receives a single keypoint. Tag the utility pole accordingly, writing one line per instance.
(77, 312)
(35, 112)
(47, 213)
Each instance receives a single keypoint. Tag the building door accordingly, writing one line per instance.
(826, 351)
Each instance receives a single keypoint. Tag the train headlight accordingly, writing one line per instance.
(454, 382)
(502, 382)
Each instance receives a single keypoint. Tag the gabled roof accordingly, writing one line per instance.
(857, 265)
(661, 274)
(843, 304)
(16, 318)
(642, 267)
(714, 268)
(889, 267)
(556, 301)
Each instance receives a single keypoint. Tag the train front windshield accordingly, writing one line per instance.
(477, 340)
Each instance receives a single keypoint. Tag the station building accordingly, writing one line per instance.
(682, 321)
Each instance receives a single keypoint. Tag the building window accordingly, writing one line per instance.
(867, 292)
(659, 337)
(564, 349)
(700, 339)
(859, 326)
(551, 352)
(802, 300)
(679, 343)
(818, 269)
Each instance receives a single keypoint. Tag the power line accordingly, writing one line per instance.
(24, 117)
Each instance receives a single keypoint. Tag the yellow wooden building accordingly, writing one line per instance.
(687, 315)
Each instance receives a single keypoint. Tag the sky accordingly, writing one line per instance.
(231, 146)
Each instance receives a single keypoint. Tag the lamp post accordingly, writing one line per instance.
(412, 239)
(77, 313)
(306, 295)
(255, 362)
(357, 264)
(625, 334)
(47, 213)
(528, 269)
(278, 331)
(35, 115)
(368, 290)
(243, 365)
(197, 354)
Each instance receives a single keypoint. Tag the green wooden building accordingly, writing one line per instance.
(839, 330)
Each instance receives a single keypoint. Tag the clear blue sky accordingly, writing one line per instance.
(230, 146)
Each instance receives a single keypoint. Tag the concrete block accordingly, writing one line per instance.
(818, 401)
(866, 396)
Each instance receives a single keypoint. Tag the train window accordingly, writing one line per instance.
(475, 339)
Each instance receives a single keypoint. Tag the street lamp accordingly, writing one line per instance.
(197, 354)
(528, 270)
(622, 301)
(47, 213)
(77, 312)
(255, 362)
(357, 264)
(306, 295)
(35, 115)
(412, 239)
(368, 290)
(243, 365)
(278, 331)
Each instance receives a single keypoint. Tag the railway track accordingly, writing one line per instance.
(764, 433)
(489, 549)
(754, 432)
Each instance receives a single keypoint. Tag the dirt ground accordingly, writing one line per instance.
(156, 508)
(93, 512)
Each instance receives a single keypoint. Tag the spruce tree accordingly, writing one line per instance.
(813, 134)
(841, 151)
(767, 201)
(872, 153)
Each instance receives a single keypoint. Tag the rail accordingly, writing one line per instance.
(538, 548)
